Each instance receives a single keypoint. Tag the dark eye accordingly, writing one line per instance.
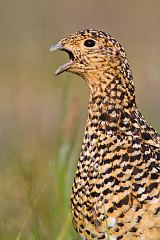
(89, 43)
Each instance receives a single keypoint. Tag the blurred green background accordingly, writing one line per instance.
(42, 118)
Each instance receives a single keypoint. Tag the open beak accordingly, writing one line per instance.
(67, 65)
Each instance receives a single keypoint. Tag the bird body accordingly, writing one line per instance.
(116, 189)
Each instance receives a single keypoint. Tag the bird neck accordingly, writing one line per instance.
(112, 85)
(118, 94)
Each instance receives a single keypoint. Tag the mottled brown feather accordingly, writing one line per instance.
(117, 183)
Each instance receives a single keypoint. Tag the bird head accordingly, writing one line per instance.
(95, 56)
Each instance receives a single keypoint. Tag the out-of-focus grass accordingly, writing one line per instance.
(37, 187)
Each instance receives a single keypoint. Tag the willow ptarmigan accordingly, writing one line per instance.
(116, 188)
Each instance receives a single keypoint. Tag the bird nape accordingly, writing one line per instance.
(116, 189)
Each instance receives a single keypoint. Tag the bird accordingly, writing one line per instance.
(116, 188)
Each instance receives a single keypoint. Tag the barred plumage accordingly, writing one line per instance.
(117, 183)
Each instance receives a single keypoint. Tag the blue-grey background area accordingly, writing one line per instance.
(42, 117)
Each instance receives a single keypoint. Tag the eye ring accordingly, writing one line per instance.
(89, 43)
